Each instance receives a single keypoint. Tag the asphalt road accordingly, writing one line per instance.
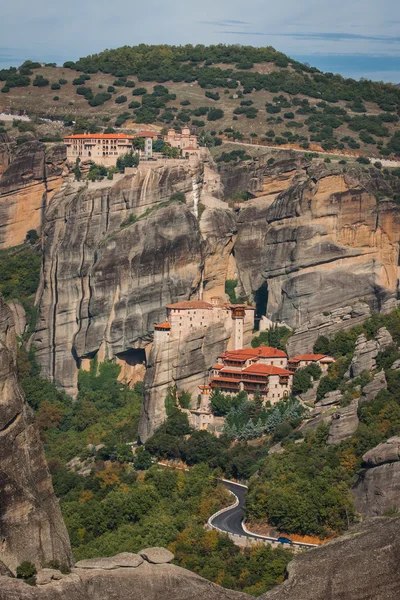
(231, 520)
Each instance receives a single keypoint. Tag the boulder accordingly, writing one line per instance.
(124, 559)
(157, 556)
(386, 452)
(396, 365)
(371, 390)
(378, 486)
(344, 424)
(377, 490)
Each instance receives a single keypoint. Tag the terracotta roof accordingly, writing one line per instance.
(225, 379)
(312, 357)
(260, 352)
(164, 325)
(99, 136)
(204, 387)
(147, 134)
(191, 304)
(217, 367)
(259, 369)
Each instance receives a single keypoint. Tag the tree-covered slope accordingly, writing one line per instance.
(237, 90)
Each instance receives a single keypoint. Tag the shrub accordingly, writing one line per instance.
(62, 81)
(120, 99)
(214, 114)
(99, 99)
(139, 92)
(40, 81)
(178, 197)
(212, 95)
(363, 160)
(55, 86)
(27, 571)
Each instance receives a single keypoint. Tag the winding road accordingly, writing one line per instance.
(231, 519)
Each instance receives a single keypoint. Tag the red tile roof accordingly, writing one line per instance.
(147, 134)
(99, 136)
(190, 304)
(259, 369)
(164, 325)
(312, 357)
(261, 352)
(217, 367)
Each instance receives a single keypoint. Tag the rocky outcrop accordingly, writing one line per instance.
(378, 487)
(323, 412)
(387, 452)
(181, 362)
(26, 187)
(366, 351)
(123, 577)
(5, 152)
(31, 526)
(372, 389)
(361, 565)
(344, 424)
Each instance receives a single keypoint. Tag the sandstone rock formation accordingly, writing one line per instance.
(134, 581)
(366, 351)
(26, 187)
(378, 485)
(31, 526)
(361, 565)
(310, 244)
(344, 424)
(371, 390)
(324, 245)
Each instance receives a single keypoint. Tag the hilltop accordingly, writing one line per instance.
(235, 91)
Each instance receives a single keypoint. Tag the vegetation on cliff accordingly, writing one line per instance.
(229, 85)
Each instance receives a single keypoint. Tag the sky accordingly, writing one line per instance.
(357, 38)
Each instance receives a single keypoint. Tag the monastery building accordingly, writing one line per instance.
(253, 370)
(303, 360)
(102, 148)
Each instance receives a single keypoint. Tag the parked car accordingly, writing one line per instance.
(284, 540)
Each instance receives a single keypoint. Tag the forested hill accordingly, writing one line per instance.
(236, 90)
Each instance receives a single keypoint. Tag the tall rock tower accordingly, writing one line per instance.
(31, 525)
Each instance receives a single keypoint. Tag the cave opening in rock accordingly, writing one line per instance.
(133, 365)
(261, 302)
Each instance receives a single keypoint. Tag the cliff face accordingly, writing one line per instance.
(28, 180)
(322, 244)
(105, 286)
(31, 526)
(310, 244)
